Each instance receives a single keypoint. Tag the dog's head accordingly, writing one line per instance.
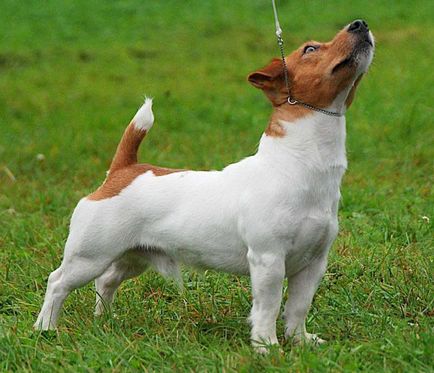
(320, 74)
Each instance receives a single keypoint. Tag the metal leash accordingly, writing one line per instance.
(282, 52)
(290, 100)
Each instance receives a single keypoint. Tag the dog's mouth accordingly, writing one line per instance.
(344, 63)
(363, 48)
(367, 39)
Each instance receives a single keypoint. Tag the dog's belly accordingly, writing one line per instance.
(193, 218)
(232, 260)
(199, 241)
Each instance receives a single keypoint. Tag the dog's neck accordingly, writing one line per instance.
(315, 139)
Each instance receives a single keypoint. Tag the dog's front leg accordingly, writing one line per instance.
(301, 289)
(267, 271)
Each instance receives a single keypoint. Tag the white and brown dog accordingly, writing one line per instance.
(272, 215)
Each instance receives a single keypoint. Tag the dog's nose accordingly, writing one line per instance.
(359, 25)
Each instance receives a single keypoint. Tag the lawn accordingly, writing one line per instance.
(72, 73)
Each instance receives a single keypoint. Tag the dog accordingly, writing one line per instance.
(272, 215)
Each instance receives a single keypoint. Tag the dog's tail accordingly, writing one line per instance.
(126, 153)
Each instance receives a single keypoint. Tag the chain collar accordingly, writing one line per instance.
(291, 100)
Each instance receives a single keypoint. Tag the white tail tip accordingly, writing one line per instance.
(144, 118)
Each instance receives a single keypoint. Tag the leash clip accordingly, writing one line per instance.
(291, 101)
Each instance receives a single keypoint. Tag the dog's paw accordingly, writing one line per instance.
(314, 339)
(100, 310)
(264, 348)
(42, 326)
(308, 339)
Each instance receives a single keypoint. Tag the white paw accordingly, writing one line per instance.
(265, 348)
(41, 325)
(307, 338)
(314, 339)
(99, 309)
(261, 350)
(98, 312)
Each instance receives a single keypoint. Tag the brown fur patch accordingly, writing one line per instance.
(311, 79)
(270, 79)
(124, 168)
(274, 130)
(126, 152)
(121, 178)
(286, 113)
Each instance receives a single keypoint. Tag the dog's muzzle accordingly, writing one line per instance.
(360, 29)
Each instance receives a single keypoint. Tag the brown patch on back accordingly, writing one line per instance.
(119, 179)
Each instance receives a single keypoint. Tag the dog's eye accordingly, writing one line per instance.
(309, 48)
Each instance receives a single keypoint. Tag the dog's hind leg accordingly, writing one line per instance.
(131, 264)
(84, 261)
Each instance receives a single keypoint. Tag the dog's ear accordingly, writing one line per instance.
(262, 78)
(271, 80)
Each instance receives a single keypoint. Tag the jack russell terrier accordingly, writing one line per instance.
(272, 215)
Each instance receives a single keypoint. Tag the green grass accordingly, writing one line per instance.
(72, 73)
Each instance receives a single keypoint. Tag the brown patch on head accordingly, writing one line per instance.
(119, 179)
(271, 80)
(318, 77)
(317, 73)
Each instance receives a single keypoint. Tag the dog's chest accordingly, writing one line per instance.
(300, 218)
(303, 208)
(314, 218)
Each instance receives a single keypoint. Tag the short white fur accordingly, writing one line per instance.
(144, 118)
